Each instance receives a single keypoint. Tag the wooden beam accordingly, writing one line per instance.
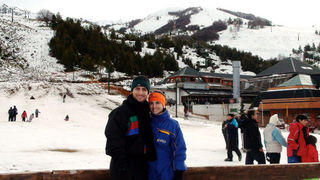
(248, 172)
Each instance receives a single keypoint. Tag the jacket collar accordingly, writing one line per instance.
(165, 115)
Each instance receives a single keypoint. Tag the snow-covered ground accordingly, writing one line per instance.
(42, 144)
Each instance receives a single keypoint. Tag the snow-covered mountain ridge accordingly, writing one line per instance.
(267, 42)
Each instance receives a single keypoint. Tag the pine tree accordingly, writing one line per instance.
(68, 59)
(313, 47)
(87, 63)
(137, 45)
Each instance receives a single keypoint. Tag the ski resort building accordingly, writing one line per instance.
(200, 87)
(288, 88)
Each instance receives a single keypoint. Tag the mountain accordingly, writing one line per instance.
(253, 34)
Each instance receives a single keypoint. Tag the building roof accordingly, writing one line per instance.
(300, 79)
(186, 71)
(289, 66)
(220, 75)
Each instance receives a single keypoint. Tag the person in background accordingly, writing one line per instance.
(15, 112)
(273, 140)
(37, 113)
(224, 132)
(31, 117)
(233, 140)
(312, 155)
(297, 144)
(10, 113)
(169, 142)
(252, 139)
(64, 98)
(66, 118)
(243, 118)
(24, 116)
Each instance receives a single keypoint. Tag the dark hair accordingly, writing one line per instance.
(232, 115)
(312, 140)
(251, 113)
(301, 117)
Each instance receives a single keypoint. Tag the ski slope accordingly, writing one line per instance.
(46, 142)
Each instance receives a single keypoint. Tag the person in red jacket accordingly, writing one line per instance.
(297, 146)
(24, 116)
(312, 150)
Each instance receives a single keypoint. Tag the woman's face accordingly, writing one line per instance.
(156, 107)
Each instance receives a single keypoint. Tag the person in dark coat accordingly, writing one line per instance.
(66, 118)
(37, 112)
(129, 135)
(243, 118)
(252, 139)
(224, 132)
(10, 113)
(64, 98)
(232, 131)
(15, 112)
(169, 142)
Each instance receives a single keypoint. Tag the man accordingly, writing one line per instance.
(232, 131)
(273, 140)
(297, 144)
(224, 132)
(15, 112)
(252, 139)
(129, 135)
(243, 118)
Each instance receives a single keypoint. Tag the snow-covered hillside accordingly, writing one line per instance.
(268, 42)
(25, 48)
(203, 18)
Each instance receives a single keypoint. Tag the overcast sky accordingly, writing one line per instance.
(284, 12)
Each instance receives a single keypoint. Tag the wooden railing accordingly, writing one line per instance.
(252, 172)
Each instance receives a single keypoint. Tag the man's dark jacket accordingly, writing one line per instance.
(130, 140)
(251, 133)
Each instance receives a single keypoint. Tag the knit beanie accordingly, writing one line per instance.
(156, 96)
(140, 81)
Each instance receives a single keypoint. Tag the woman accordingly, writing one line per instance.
(169, 142)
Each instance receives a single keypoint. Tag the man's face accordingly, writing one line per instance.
(304, 122)
(140, 93)
(229, 118)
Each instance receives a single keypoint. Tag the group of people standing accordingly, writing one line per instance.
(13, 112)
(301, 147)
(144, 142)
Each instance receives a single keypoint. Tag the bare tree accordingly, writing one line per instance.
(45, 15)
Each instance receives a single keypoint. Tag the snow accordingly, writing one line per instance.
(207, 16)
(269, 42)
(49, 142)
(29, 39)
(35, 146)
(156, 20)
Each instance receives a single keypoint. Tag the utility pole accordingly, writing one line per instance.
(11, 14)
(108, 80)
(177, 89)
(262, 113)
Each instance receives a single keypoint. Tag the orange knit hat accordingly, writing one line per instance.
(157, 96)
